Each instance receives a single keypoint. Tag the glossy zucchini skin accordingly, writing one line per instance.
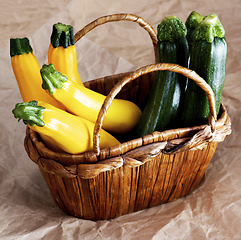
(208, 60)
(162, 109)
(191, 23)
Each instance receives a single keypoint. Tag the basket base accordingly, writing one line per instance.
(161, 179)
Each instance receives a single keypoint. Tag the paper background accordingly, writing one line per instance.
(27, 210)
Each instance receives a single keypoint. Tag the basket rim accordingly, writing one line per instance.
(223, 129)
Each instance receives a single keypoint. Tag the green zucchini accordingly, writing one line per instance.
(191, 23)
(208, 60)
(162, 107)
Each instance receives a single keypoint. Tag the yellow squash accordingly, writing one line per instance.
(121, 117)
(61, 130)
(62, 52)
(27, 72)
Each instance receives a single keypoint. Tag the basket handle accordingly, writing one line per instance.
(118, 17)
(141, 71)
(144, 70)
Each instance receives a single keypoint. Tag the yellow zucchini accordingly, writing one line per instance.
(60, 129)
(62, 52)
(121, 117)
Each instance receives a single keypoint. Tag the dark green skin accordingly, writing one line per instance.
(191, 23)
(208, 60)
(162, 108)
(190, 32)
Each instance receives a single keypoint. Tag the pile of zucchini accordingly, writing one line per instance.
(175, 101)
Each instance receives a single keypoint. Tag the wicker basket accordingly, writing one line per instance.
(139, 173)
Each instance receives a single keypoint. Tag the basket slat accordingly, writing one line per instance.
(161, 179)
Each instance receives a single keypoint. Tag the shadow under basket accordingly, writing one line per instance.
(137, 174)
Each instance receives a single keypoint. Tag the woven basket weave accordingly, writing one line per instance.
(139, 173)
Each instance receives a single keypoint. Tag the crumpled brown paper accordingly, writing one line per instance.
(212, 211)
